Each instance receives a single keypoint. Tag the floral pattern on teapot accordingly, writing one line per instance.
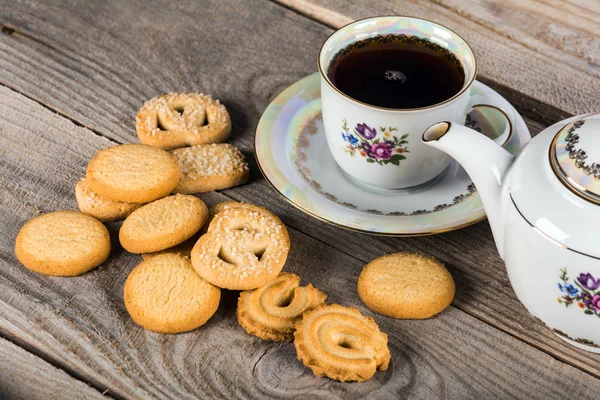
(584, 291)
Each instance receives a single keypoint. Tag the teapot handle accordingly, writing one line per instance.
(500, 105)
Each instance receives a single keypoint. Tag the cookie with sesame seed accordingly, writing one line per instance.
(182, 119)
(163, 224)
(245, 247)
(405, 285)
(165, 294)
(91, 203)
(62, 243)
(133, 173)
(207, 167)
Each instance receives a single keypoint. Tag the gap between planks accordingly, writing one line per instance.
(62, 114)
(20, 364)
(102, 391)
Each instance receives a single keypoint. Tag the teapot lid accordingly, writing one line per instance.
(575, 158)
(559, 194)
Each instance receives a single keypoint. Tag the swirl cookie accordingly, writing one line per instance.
(271, 311)
(163, 224)
(182, 119)
(62, 243)
(244, 248)
(133, 173)
(91, 203)
(207, 167)
(340, 343)
(166, 295)
(404, 285)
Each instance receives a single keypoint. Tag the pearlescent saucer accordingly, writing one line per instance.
(293, 156)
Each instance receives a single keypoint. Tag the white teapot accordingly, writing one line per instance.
(544, 210)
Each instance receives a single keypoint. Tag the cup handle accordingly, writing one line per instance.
(500, 105)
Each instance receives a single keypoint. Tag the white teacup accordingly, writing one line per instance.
(359, 134)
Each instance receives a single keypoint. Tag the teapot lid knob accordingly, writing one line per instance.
(575, 157)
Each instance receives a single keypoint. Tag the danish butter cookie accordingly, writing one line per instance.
(244, 248)
(166, 295)
(341, 343)
(182, 119)
(91, 203)
(272, 310)
(404, 285)
(207, 167)
(163, 223)
(183, 249)
(62, 243)
(133, 173)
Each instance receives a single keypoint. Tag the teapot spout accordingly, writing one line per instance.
(486, 163)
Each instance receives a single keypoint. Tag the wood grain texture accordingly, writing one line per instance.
(92, 64)
(81, 325)
(546, 51)
(97, 62)
(27, 377)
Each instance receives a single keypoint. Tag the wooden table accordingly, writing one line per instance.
(72, 77)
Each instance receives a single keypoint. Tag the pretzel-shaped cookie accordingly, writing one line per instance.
(245, 247)
(271, 311)
(341, 343)
(182, 119)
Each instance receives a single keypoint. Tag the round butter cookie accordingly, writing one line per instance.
(133, 173)
(207, 167)
(163, 224)
(166, 295)
(341, 343)
(272, 310)
(404, 285)
(182, 119)
(244, 248)
(62, 243)
(91, 203)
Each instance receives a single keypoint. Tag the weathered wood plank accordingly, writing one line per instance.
(548, 51)
(81, 324)
(97, 65)
(97, 62)
(25, 376)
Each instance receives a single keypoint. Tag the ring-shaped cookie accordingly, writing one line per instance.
(272, 310)
(182, 119)
(341, 343)
(244, 248)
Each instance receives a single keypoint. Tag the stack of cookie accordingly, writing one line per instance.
(127, 178)
(122, 178)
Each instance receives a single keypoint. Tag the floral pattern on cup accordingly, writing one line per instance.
(363, 140)
(584, 291)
